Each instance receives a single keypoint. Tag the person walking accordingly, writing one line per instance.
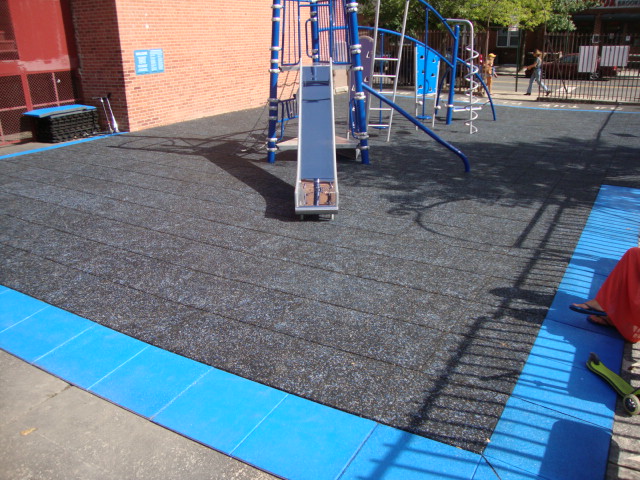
(536, 74)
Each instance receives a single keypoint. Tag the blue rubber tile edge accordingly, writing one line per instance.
(58, 145)
(558, 421)
(556, 425)
(281, 433)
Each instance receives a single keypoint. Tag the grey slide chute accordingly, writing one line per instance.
(316, 189)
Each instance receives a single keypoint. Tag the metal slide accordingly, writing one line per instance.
(316, 191)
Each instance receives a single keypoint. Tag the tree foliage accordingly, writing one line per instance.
(559, 19)
(525, 14)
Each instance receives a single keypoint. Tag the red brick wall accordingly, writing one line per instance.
(216, 56)
(99, 55)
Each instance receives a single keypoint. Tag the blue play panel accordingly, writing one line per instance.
(556, 425)
(52, 111)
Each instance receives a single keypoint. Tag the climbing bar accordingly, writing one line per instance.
(419, 124)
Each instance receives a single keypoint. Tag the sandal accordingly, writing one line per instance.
(586, 309)
(600, 320)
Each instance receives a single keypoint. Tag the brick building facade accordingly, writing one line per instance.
(215, 55)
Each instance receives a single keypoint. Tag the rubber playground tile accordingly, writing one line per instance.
(91, 356)
(560, 342)
(392, 454)
(481, 363)
(492, 469)
(569, 389)
(620, 203)
(549, 444)
(449, 410)
(620, 198)
(605, 247)
(326, 384)
(220, 410)
(42, 332)
(560, 312)
(305, 440)
(15, 307)
(600, 262)
(605, 227)
(149, 381)
(583, 279)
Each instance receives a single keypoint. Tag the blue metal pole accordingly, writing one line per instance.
(315, 32)
(359, 96)
(273, 84)
(452, 83)
(419, 124)
(424, 78)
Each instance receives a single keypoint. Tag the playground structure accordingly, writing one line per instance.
(316, 37)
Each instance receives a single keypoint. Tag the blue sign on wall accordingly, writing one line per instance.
(149, 61)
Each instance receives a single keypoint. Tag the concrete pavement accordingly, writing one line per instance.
(52, 430)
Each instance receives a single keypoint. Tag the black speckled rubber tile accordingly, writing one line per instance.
(416, 306)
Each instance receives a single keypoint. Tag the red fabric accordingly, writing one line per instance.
(619, 295)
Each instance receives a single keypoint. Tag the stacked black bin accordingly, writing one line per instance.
(63, 127)
(61, 124)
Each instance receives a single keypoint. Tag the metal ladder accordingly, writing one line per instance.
(379, 62)
(473, 105)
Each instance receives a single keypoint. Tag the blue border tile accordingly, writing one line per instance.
(91, 356)
(497, 470)
(16, 307)
(220, 410)
(569, 389)
(42, 332)
(303, 440)
(392, 454)
(149, 381)
(560, 342)
(548, 443)
(58, 145)
(557, 423)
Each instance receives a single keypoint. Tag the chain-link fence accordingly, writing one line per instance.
(29, 91)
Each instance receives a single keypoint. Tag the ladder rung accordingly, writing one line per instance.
(466, 109)
(379, 125)
(383, 75)
(381, 109)
(388, 59)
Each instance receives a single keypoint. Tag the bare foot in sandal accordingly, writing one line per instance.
(590, 307)
(599, 320)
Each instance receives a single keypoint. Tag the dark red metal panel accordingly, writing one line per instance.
(37, 60)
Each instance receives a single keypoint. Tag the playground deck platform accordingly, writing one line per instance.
(416, 308)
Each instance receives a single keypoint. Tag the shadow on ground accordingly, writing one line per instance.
(416, 307)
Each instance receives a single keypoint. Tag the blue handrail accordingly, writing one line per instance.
(442, 58)
(411, 39)
(419, 124)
